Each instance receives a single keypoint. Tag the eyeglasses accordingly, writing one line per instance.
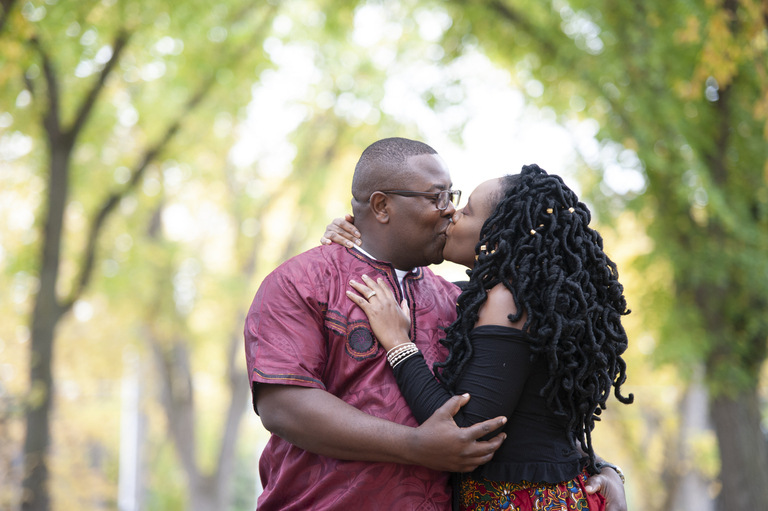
(442, 199)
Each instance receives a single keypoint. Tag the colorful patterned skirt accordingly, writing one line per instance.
(480, 494)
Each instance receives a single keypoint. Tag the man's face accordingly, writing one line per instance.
(420, 226)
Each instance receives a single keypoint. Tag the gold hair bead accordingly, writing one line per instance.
(533, 232)
(541, 225)
(570, 209)
(549, 211)
(482, 248)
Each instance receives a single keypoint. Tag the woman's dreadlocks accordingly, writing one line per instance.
(538, 244)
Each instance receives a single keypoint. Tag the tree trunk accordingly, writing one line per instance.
(6, 6)
(35, 483)
(691, 493)
(45, 317)
(207, 496)
(743, 452)
(240, 392)
(207, 492)
(130, 487)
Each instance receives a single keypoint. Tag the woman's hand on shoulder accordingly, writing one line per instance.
(342, 231)
(390, 322)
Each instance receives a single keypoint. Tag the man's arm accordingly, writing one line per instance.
(321, 423)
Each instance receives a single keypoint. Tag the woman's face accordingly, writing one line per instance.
(464, 233)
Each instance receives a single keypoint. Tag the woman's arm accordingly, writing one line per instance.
(494, 377)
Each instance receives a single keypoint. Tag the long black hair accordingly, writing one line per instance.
(538, 243)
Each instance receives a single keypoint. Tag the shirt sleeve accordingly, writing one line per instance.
(494, 378)
(285, 341)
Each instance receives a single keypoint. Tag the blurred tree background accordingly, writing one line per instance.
(157, 159)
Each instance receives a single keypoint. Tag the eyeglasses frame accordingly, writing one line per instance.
(435, 195)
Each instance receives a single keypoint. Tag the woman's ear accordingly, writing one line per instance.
(380, 205)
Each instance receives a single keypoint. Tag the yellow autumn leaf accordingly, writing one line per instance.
(689, 34)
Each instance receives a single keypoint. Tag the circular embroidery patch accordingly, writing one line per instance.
(361, 344)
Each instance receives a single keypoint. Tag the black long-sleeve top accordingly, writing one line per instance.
(502, 378)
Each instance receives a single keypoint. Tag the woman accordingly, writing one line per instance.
(538, 338)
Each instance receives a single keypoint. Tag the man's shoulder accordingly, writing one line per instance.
(439, 281)
(306, 276)
(314, 268)
(324, 255)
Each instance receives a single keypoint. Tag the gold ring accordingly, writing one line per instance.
(370, 295)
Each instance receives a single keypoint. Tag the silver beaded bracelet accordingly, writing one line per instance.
(400, 353)
(400, 347)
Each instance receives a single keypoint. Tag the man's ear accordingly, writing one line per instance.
(380, 205)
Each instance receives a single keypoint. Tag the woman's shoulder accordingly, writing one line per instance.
(497, 308)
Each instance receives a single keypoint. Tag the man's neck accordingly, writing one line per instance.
(400, 273)
(380, 253)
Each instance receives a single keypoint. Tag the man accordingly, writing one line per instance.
(343, 435)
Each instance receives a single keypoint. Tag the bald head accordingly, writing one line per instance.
(405, 229)
(384, 166)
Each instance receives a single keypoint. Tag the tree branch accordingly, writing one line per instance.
(516, 18)
(30, 85)
(7, 5)
(51, 119)
(85, 109)
(548, 48)
(114, 199)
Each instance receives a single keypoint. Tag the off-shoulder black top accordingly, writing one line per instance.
(503, 378)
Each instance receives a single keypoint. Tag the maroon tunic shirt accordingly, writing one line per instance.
(303, 330)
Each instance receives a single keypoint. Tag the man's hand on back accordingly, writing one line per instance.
(441, 445)
(609, 485)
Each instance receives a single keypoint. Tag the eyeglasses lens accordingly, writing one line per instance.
(447, 196)
(443, 199)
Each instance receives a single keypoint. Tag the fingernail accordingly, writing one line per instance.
(349, 244)
(357, 234)
(352, 281)
(359, 241)
(465, 395)
(503, 420)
